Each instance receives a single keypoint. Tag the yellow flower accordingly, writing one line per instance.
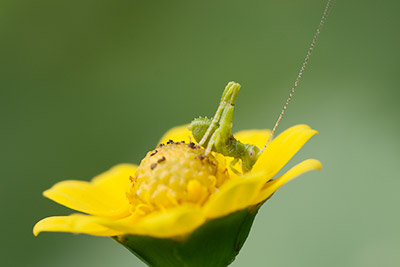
(120, 201)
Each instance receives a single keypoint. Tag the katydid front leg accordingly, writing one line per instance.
(221, 136)
(231, 89)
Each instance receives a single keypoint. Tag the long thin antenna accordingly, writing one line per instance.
(309, 52)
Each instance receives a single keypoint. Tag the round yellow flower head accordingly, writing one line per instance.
(175, 174)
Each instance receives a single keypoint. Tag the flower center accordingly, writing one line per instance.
(174, 174)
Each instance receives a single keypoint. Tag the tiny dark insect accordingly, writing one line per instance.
(161, 159)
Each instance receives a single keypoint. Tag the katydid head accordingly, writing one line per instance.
(250, 157)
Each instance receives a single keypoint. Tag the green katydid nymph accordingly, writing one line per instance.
(216, 134)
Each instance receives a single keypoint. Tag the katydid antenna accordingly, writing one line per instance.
(328, 7)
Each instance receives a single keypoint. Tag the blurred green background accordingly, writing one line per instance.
(89, 84)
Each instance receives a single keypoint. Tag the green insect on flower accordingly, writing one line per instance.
(186, 204)
(216, 134)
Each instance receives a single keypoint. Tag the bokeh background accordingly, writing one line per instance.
(89, 84)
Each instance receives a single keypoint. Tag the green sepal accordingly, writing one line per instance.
(215, 243)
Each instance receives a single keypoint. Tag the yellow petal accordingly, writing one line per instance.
(115, 181)
(235, 195)
(163, 224)
(283, 148)
(104, 196)
(253, 137)
(75, 223)
(177, 134)
(271, 187)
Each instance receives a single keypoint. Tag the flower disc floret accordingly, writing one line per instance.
(175, 174)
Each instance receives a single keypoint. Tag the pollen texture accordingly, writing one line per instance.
(174, 174)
